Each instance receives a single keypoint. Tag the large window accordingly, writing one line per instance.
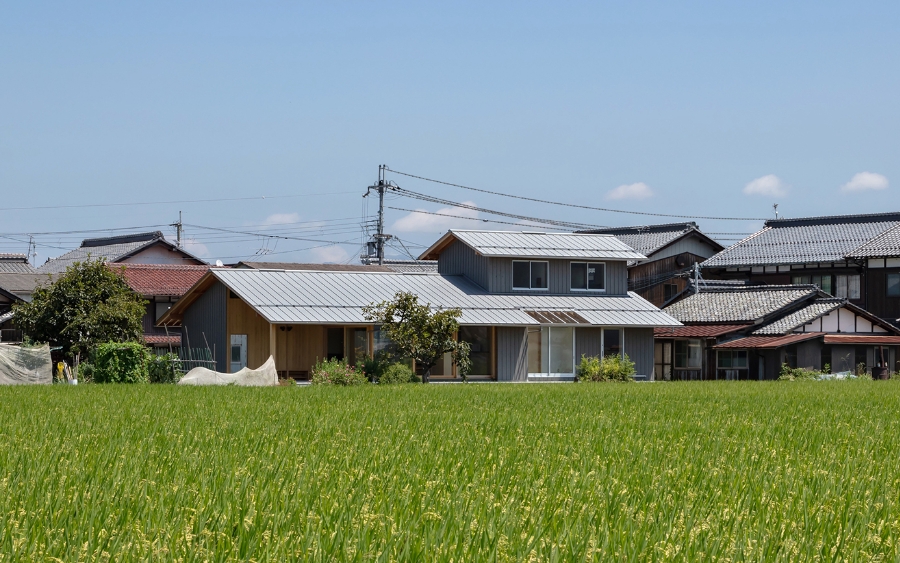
(481, 343)
(824, 282)
(732, 364)
(688, 354)
(530, 275)
(612, 342)
(893, 285)
(588, 276)
(551, 351)
(847, 287)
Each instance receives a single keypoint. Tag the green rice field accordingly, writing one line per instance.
(727, 471)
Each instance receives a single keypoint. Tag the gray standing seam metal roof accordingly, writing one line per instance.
(885, 245)
(802, 241)
(801, 317)
(738, 305)
(295, 297)
(514, 244)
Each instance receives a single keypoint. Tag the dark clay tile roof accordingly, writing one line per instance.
(696, 331)
(173, 280)
(647, 239)
(800, 317)
(739, 304)
(885, 245)
(15, 263)
(802, 241)
(110, 249)
(769, 341)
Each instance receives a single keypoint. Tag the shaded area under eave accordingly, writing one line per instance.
(697, 331)
(768, 342)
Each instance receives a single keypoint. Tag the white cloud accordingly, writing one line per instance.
(330, 255)
(865, 181)
(196, 248)
(639, 190)
(282, 219)
(426, 223)
(770, 185)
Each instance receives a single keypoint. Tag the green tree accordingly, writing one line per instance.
(420, 334)
(88, 305)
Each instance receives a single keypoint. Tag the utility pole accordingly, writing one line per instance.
(31, 254)
(380, 237)
(177, 230)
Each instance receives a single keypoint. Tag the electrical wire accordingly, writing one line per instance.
(549, 202)
(467, 218)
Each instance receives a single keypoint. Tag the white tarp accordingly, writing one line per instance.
(264, 376)
(25, 365)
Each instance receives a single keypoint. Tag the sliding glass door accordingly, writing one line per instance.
(551, 351)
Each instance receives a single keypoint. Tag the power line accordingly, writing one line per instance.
(573, 204)
(212, 200)
(467, 218)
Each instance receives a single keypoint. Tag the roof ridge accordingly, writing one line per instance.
(835, 219)
(122, 239)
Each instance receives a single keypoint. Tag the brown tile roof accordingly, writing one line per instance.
(862, 339)
(697, 331)
(769, 341)
(171, 280)
(173, 339)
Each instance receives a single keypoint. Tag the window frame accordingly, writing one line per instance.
(550, 328)
(587, 266)
(530, 275)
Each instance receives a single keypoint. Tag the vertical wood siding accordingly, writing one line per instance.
(809, 354)
(691, 244)
(512, 354)
(639, 347)
(500, 277)
(207, 316)
(587, 342)
(459, 259)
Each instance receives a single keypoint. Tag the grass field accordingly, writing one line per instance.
(704, 471)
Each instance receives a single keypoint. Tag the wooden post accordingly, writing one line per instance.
(272, 342)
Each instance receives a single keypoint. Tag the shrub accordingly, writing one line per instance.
(120, 362)
(793, 374)
(85, 373)
(164, 369)
(374, 366)
(610, 368)
(337, 372)
(398, 373)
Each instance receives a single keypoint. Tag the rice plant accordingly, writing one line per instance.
(803, 471)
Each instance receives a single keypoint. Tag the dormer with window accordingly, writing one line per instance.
(537, 263)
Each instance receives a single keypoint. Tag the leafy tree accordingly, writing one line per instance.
(419, 333)
(88, 305)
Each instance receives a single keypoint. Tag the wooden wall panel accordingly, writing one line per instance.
(639, 347)
(512, 354)
(242, 319)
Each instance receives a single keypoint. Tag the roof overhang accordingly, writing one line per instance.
(697, 331)
(175, 314)
(867, 339)
(768, 342)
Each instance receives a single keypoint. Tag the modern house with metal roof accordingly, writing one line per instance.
(854, 257)
(140, 248)
(671, 251)
(532, 304)
(736, 331)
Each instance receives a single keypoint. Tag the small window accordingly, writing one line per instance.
(732, 359)
(530, 275)
(669, 291)
(893, 285)
(688, 354)
(588, 276)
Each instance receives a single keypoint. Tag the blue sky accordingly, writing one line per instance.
(678, 109)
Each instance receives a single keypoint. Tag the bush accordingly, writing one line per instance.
(120, 362)
(337, 372)
(610, 368)
(398, 373)
(164, 369)
(85, 373)
(374, 367)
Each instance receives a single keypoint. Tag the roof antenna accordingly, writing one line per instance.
(775, 207)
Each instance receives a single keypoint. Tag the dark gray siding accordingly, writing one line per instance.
(206, 317)
(809, 354)
(459, 259)
(843, 359)
(499, 278)
(512, 354)
(587, 342)
(639, 347)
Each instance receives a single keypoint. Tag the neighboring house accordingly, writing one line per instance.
(15, 264)
(855, 257)
(735, 331)
(671, 251)
(389, 266)
(161, 285)
(532, 304)
(16, 287)
(141, 248)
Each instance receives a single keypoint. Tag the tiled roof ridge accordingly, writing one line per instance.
(756, 288)
(835, 219)
(578, 233)
(130, 266)
(640, 229)
(122, 239)
(858, 251)
(13, 256)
